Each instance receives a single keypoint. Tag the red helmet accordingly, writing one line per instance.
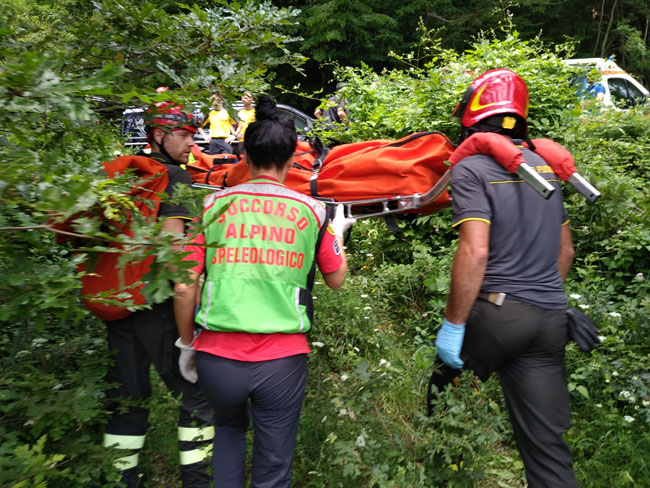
(170, 114)
(498, 91)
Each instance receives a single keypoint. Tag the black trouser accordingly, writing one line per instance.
(273, 392)
(218, 145)
(137, 341)
(525, 345)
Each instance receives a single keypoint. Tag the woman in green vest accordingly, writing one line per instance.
(251, 353)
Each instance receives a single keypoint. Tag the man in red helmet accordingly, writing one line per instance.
(505, 311)
(147, 336)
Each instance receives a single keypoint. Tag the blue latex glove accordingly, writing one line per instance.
(449, 341)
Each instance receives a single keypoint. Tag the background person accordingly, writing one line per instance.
(222, 128)
(246, 115)
(147, 336)
(506, 306)
(335, 111)
(256, 305)
(595, 89)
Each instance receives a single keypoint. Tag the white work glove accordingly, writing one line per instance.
(187, 361)
(340, 223)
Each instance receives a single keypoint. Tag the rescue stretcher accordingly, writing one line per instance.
(379, 178)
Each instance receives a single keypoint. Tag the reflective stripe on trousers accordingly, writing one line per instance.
(195, 444)
(131, 442)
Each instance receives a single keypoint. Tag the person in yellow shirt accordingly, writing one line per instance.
(246, 115)
(222, 129)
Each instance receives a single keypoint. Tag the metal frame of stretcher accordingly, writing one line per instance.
(388, 205)
(403, 203)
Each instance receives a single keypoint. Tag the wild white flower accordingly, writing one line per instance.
(625, 394)
(317, 344)
(366, 317)
(383, 362)
(575, 296)
(344, 376)
(629, 419)
(584, 306)
(361, 440)
(357, 308)
(599, 405)
(367, 308)
(356, 349)
(602, 338)
(614, 373)
(343, 412)
(645, 403)
(364, 296)
(639, 276)
(369, 254)
(314, 297)
(425, 314)
(614, 314)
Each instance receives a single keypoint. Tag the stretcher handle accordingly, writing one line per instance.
(203, 186)
(584, 187)
(543, 187)
(400, 203)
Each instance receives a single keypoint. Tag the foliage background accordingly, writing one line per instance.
(62, 82)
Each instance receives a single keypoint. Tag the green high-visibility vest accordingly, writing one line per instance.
(259, 276)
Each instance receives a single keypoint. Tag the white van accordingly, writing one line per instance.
(621, 89)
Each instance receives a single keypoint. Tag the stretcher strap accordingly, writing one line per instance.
(316, 167)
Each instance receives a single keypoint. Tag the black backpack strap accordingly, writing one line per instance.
(305, 293)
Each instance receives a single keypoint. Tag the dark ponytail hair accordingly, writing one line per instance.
(271, 140)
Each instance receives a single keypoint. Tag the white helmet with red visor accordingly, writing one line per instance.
(169, 117)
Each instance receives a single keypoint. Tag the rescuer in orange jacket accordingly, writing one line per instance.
(147, 336)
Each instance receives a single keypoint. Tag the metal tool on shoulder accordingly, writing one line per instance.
(530, 176)
(585, 188)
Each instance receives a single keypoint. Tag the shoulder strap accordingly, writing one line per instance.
(305, 293)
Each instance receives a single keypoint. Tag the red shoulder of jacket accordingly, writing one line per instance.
(557, 157)
(502, 150)
(498, 147)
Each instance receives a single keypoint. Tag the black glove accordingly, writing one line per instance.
(582, 330)
(442, 375)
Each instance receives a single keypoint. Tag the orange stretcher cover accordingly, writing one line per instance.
(350, 172)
